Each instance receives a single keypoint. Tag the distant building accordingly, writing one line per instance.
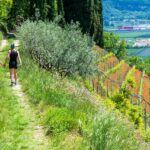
(142, 27)
(136, 27)
(127, 28)
(142, 43)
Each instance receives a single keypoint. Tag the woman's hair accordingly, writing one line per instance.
(12, 46)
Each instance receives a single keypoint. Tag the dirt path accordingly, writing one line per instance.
(3, 44)
(37, 139)
(33, 134)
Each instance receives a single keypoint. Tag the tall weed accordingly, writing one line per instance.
(110, 133)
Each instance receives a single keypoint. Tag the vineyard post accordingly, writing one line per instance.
(107, 90)
(97, 88)
(149, 94)
(97, 85)
(89, 81)
(113, 64)
(139, 100)
(93, 84)
(111, 89)
(131, 99)
(120, 87)
(145, 117)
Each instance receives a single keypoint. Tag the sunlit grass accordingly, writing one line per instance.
(12, 121)
(68, 115)
(133, 34)
(1, 36)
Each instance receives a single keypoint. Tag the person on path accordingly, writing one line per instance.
(13, 57)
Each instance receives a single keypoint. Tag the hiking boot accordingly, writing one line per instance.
(11, 84)
(15, 83)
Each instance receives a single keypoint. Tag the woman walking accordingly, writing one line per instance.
(13, 57)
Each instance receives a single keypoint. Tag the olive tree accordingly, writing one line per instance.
(65, 50)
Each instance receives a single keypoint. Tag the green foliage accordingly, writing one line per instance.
(110, 104)
(146, 135)
(103, 87)
(18, 13)
(4, 8)
(52, 90)
(65, 111)
(133, 60)
(112, 43)
(107, 73)
(59, 120)
(128, 83)
(87, 85)
(12, 119)
(89, 14)
(140, 63)
(134, 113)
(66, 51)
(1, 35)
(107, 127)
(106, 57)
(112, 70)
(122, 51)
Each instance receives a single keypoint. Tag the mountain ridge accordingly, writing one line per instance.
(119, 10)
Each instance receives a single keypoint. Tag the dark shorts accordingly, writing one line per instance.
(13, 65)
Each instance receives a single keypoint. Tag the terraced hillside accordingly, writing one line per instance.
(115, 73)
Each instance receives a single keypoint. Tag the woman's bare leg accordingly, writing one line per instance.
(15, 75)
(11, 74)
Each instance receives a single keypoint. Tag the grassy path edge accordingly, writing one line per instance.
(26, 131)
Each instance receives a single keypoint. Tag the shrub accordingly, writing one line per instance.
(66, 51)
(62, 119)
(112, 43)
(134, 113)
(146, 135)
(110, 133)
(129, 83)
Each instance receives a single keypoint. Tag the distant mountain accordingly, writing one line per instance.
(126, 10)
(129, 5)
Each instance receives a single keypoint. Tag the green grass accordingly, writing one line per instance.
(106, 128)
(71, 121)
(69, 115)
(133, 51)
(133, 34)
(17, 122)
(12, 120)
(65, 112)
(1, 36)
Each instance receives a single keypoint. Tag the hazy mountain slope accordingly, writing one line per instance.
(123, 9)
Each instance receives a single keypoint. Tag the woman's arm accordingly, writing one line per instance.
(7, 57)
(19, 58)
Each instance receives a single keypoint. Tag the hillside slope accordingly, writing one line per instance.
(64, 108)
(114, 74)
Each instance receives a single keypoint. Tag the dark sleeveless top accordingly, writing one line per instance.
(13, 59)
